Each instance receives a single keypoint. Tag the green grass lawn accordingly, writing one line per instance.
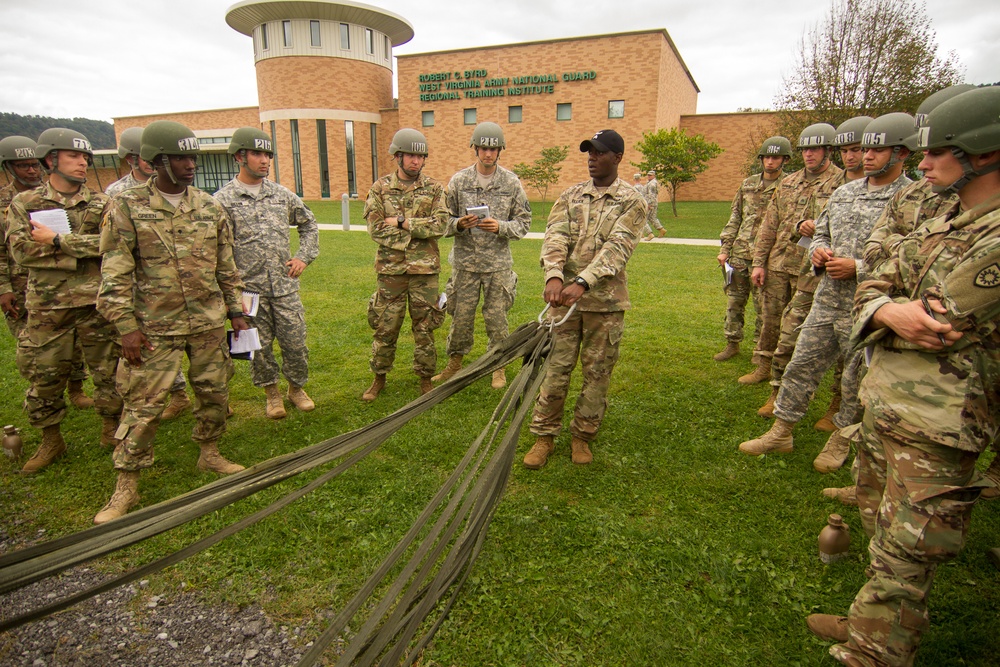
(672, 548)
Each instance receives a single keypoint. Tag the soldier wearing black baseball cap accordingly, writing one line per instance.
(603, 142)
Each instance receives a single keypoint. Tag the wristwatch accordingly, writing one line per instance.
(582, 283)
(56, 242)
(400, 219)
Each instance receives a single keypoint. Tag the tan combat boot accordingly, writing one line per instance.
(499, 380)
(275, 406)
(300, 399)
(828, 627)
(126, 495)
(109, 426)
(992, 473)
(539, 452)
(454, 366)
(845, 494)
(372, 392)
(767, 410)
(581, 451)
(211, 460)
(759, 374)
(53, 446)
(179, 403)
(776, 441)
(731, 350)
(825, 422)
(76, 396)
(426, 385)
(833, 454)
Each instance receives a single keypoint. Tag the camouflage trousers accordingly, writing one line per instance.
(738, 291)
(922, 521)
(777, 291)
(823, 342)
(18, 327)
(791, 324)
(145, 389)
(386, 311)
(499, 289)
(282, 318)
(594, 338)
(45, 356)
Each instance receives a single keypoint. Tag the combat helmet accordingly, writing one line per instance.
(817, 135)
(130, 142)
(968, 123)
(937, 98)
(250, 139)
(409, 141)
(775, 146)
(851, 131)
(62, 139)
(488, 135)
(166, 137)
(13, 149)
(891, 130)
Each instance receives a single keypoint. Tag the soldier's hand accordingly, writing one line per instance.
(841, 268)
(468, 221)
(571, 293)
(239, 324)
(722, 258)
(821, 256)
(553, 292)
(912, 323)
(757, 276)
(132, 346)
(41, 233)
(807, 228)
(295, 267)
(8, 303)
(489, 225)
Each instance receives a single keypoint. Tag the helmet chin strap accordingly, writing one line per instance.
(968, 172)
(399, 163)
(822, 165)
(69, 179)
(893, 161)
(165, 161)
(244, 164)
(25, 183)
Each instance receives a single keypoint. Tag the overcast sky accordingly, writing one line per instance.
(106, 58)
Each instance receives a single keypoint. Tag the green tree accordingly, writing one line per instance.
(544, 171)
(676, 156)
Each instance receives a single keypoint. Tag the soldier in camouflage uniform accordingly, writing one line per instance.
(481, 259)
(63, 278)
(778, 256)
(169, 282)
(651, 191)
(841, 231)
(590, 235)
(261, 212)
(930, 317)
(406, 216)
(738, 238)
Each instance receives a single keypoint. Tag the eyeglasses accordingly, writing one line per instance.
(27, 165)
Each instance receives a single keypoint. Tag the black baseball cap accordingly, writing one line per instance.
(604, 141)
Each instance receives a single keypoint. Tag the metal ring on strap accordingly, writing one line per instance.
(553, 325)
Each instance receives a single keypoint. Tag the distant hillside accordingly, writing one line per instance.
(100, 133)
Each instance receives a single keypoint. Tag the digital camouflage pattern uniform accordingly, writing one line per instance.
(777, 250)
(124, 183)
(481, 261)
(169, 273)
(738, 237)
(932, 413)
(592, 235)
(843, 226)
(407, 263)
(651, 192)
(908, 208)
(260, 227)
(60, 300)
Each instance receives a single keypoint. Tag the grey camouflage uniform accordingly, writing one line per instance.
(260, 227)
(124, 183)
(651, 193)
(481, 261)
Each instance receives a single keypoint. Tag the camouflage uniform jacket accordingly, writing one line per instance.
(124, 183)
(260, 234)
(13, 277)
(950, 397)
(64, 278)
(413, 250)
(485, 252)
(777, 239)
(908, 208)
(167, 271)
(651, 192)
(592, 236)
(808, 279)
(749, 204)
(844, 226)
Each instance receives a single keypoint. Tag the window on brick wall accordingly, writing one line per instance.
(564, 111)
(515, 114)
(470, 116)
(427, 118)
(616, 108)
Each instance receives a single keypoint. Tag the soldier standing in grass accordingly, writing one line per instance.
(406, 214)
(739, 235)
(590, 235)
(261, 212)
(651, 191)
(169, 282)
(930, 316)
(481, 259)
(64, 274)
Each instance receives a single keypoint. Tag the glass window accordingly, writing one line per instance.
(514, 114)
(314, 33)
(388, 48)
(345, 36)
(374, 133)
(274, 144)
(470, 116)
(427, 118)
(369, 41)
(324, 165)
(296, 156)
(263, 37)
(564, 111)
(352, 183)
(616, 108)
(286, 28)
